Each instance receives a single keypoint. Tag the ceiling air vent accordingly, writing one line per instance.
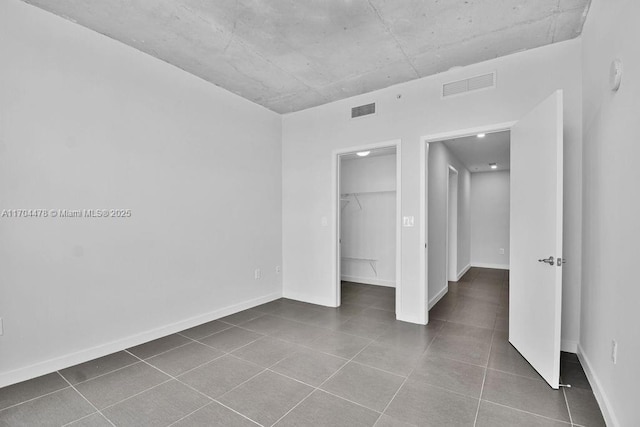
(363, 110)
(485, 81)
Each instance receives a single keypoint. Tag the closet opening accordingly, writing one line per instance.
(367, 235)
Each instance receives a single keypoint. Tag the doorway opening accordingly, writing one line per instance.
(468, 226)
(367, 201)
(531, 306)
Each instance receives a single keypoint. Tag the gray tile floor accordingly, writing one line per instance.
(288, 363)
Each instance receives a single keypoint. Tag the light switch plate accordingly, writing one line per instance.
(407, 221)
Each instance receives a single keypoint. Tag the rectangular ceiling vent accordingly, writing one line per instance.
(363, 110)
(485, 81)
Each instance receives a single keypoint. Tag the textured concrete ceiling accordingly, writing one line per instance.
(289, 55)
(477, 153)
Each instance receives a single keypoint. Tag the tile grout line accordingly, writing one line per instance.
(324, 382)
(316, 388)
(103, 374)
(310, 324)
(566, 401)
(407, 377)
(84, 418)
(529, 412)
(192, 388)
(33, 398)
(136, 394)
(87, 400)
(228, 326)
(209, 404)
(486, 369)
(190, 413)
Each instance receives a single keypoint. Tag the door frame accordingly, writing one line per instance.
(424, 217)
(335, 232)
(447, 259)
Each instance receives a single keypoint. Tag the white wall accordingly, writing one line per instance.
(310, 137)
(86, 122)
(440, 158)
(368, 229)
(490, 219)
(452, 227)
(611, 227)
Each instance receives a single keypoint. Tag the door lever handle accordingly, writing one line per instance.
(549, 260)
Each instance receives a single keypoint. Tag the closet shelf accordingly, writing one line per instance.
(372, 262)
(366, 192)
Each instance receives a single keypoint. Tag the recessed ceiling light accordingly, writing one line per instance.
(493, 166)
(482, 135)
(363, 153)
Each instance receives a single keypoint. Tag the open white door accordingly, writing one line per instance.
(535, 297)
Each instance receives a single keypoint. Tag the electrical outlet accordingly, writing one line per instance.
(1, 327)
(501, 251)
(257, 274)
(278, 269)
(614, 351)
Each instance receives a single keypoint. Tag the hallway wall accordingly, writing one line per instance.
(490, 219)
(440, 157)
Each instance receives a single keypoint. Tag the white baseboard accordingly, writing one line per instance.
(569, 346)
(603, 401)
(409, 319)
(494, 266)
(298, 296)
(463, 272)
(437, 297)
(67, 360)
(369, 281)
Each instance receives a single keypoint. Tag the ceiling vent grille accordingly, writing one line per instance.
(363, 110)
(485, 81)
